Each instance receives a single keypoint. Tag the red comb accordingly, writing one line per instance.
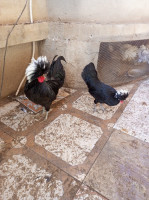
(41, 79)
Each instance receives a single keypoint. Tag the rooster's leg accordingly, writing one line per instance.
(102, 107)
(43, 110)
(94, 108)
(47, 108)
(47, 112)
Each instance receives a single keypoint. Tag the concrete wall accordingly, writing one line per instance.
(77, 27)
(11, 9)
(99, 11)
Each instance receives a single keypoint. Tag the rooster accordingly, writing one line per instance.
(103, 94)
(41, 90)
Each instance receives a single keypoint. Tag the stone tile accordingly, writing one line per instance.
(25, 175)
(135, 118)
(85, 193)
(122, 169)
(8, 107)
(69, 138)
(85, 103)
(15, 118)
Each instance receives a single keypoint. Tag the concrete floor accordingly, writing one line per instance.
(77, 154)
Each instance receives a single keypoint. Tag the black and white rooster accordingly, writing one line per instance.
(40, 90)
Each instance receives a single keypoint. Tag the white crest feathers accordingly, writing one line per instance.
(121, 93)
(30, 70)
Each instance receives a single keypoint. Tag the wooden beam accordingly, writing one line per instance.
(23, 33)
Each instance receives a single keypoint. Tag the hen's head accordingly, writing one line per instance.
(37, 68)
(121, 95)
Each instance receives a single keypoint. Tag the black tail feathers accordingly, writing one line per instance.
(58, 59)
(61, 58)
(54, 58)
(89, 72)
(56, 72)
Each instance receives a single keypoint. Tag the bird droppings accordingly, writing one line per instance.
(110, 125)
(19, 142)
(80, 176)
(69, 138)
(64, 107)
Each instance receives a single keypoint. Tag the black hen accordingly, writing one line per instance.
(39, 90)
(101, 92)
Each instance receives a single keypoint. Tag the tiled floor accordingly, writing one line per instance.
(78, 153)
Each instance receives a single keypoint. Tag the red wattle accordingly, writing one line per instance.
(41, 79)
(121, 101)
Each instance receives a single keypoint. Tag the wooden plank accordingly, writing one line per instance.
(23, 33)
